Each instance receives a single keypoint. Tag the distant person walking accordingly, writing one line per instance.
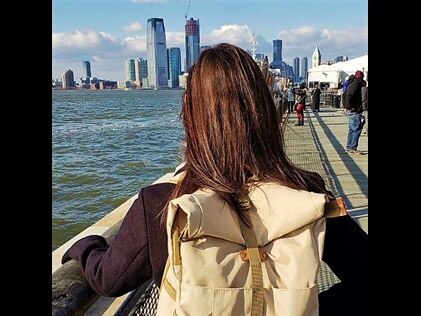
(291, 98)
(278, 104)
(301, 104)
(315, 97)
(353, 109)
(364, 99)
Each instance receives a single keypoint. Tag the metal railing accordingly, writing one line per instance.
(331, 99)
(141, 302)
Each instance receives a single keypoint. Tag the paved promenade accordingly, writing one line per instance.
(319, 146)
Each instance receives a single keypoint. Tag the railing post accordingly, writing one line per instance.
(71, 293)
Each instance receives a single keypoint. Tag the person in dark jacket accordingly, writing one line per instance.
(315, 98)
(354, 109)
(229, 138)
(364, 99)
(345, 85)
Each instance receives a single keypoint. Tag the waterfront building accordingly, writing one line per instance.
(156, 51)
(130, 70)
(68, 80)
(192, 33)
(57, 84)
(174, 66)
(87, 68)
(141, 70)
(296, 65)
(304, 69)
(183, 80)
(330, 76)
(85, 82)
(316, 58)
(123, 84)
(260, 57)
(277, 54)
(287, 71)
(145, 83)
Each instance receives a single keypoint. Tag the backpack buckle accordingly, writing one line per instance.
(245, 256)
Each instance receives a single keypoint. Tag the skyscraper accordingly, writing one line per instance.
(296, 66)
(192, 32)
(174, 66)
(87, 68)
(68, 80)
(304, 68)
(277, 54)
(260, 56)
(156, 51)
(316, 58)
(141, 70)
(130, 70)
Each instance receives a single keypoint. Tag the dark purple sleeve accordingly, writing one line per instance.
(346, 253)
(115, 269)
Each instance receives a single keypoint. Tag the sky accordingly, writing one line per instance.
(108, 32)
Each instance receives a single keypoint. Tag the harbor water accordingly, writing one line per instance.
(106, 145)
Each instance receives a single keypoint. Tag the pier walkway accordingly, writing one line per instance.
(317, 146)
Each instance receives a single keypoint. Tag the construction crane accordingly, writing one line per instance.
(187, 12)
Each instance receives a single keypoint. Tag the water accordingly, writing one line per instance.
(106, 146)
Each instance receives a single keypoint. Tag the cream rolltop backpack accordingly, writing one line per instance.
(217, 265)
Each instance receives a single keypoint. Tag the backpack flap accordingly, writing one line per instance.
(279, 210)
(208, 215)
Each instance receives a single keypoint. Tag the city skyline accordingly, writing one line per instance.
(107, 33)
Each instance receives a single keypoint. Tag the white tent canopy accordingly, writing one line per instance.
(333, 74)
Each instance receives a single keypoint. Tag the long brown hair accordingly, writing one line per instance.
(232, 129)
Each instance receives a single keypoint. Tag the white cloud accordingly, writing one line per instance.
(149, 1)
(106, 52)
(231, 33)
(132, 27)
(82, 41)
(98, 59)
(136, 43)
(331, 42)
(175, 39)
(240, 35)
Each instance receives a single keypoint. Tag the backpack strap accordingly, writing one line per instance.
(166, 284)
(254, 254)
(175, 238)
(335, 208)
(175, 179)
